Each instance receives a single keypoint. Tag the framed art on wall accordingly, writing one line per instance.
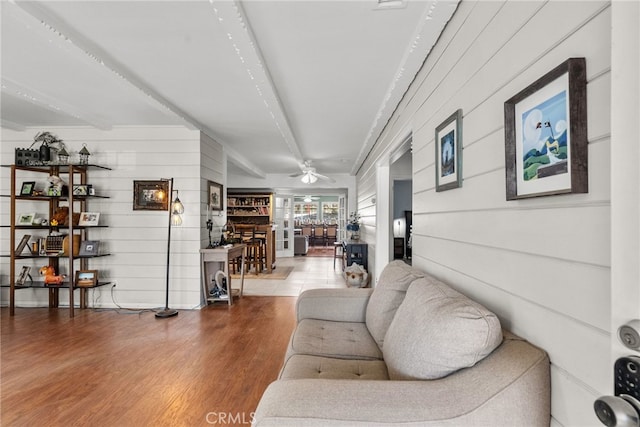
(449, 153)
(150, 195)
(215, 196)
(546, 134)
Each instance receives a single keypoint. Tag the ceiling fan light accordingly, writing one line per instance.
(308, 178)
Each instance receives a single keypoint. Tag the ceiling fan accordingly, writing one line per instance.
(308, 175)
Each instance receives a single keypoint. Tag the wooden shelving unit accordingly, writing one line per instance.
(72, 175)
(249, 208)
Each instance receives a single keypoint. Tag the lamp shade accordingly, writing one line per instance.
(399, 227)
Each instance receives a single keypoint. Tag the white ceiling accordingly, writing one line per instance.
(276, 82)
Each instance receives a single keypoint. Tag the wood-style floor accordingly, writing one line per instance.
(102, 368)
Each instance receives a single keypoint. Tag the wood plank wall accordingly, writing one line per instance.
(137, 239)
(543, 265)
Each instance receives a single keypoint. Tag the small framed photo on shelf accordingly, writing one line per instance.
(26, 218)
(151, 195)
(22, 244)
(89, 219)
(27, 188)
(86, 278)
(89, 247)
(81, 189)
(23, 276)
(215, 196)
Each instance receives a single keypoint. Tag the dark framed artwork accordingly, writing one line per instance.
(215, 196)
(150, 195)
(449, 153)
(27, 188)
(86, 278)
(546, 147)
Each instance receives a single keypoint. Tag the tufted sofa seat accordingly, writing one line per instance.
(412, 351)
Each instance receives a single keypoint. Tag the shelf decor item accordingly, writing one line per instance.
(27, 188)
(24, 275)
(89, 219)
(22, 244)
(150, 195)
(26, 218)
(546, 147)
(84, 155)
(175, 210)
(86, 278)
(449, 153)
(89, 247)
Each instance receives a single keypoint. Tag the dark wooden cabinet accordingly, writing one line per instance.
(355, 252)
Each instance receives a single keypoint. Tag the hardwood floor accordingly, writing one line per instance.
(102, 368)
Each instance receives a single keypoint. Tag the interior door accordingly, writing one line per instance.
(283, 218)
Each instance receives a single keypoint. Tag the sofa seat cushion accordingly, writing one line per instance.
(301, 366)
(345, 340)
(437, 331)
(387, 296)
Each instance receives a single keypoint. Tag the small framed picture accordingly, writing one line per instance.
(81, 190)
(86, 278)
(27, 188)
(215, 196)
(26, 218)
(449, 153)
(23, 276)
(89, 247)
(89, 219)
(22, 244)
(151, 195)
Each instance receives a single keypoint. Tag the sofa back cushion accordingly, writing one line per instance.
(437, 331)
(387, 297)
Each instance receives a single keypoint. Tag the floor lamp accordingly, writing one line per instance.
(176, 209)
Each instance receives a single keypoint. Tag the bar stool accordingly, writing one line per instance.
(255, 247)
(337, 253)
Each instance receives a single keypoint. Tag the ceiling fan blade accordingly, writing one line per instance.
(296, 175)
(324, 177)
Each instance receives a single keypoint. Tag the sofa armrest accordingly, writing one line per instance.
(339, 305)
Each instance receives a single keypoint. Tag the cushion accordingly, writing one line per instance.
(344, 340)
(437, 331)
(305, 366)
(387, 297)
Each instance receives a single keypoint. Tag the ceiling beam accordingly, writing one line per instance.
(103, 58)
(42, 100)
(234, 21)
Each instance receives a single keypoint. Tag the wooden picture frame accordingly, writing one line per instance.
(27, 188)
(546, 146)
(86, 278)
(89, 219)
(25, 219)
(22, 244)
(216, 196)
(448, 145)
(21, 280)
(151, 195)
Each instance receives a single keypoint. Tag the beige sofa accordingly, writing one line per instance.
(373, 357)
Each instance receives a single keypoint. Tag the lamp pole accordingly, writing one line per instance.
(168, 312)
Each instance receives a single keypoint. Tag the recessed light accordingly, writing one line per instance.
(391, 4)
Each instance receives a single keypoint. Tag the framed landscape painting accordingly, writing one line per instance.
(546, 134)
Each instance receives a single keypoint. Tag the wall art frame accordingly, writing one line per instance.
(448, 145)
(151, 195)
(546, 144)
(216, 199)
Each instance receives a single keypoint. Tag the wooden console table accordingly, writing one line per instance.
(216, 259)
